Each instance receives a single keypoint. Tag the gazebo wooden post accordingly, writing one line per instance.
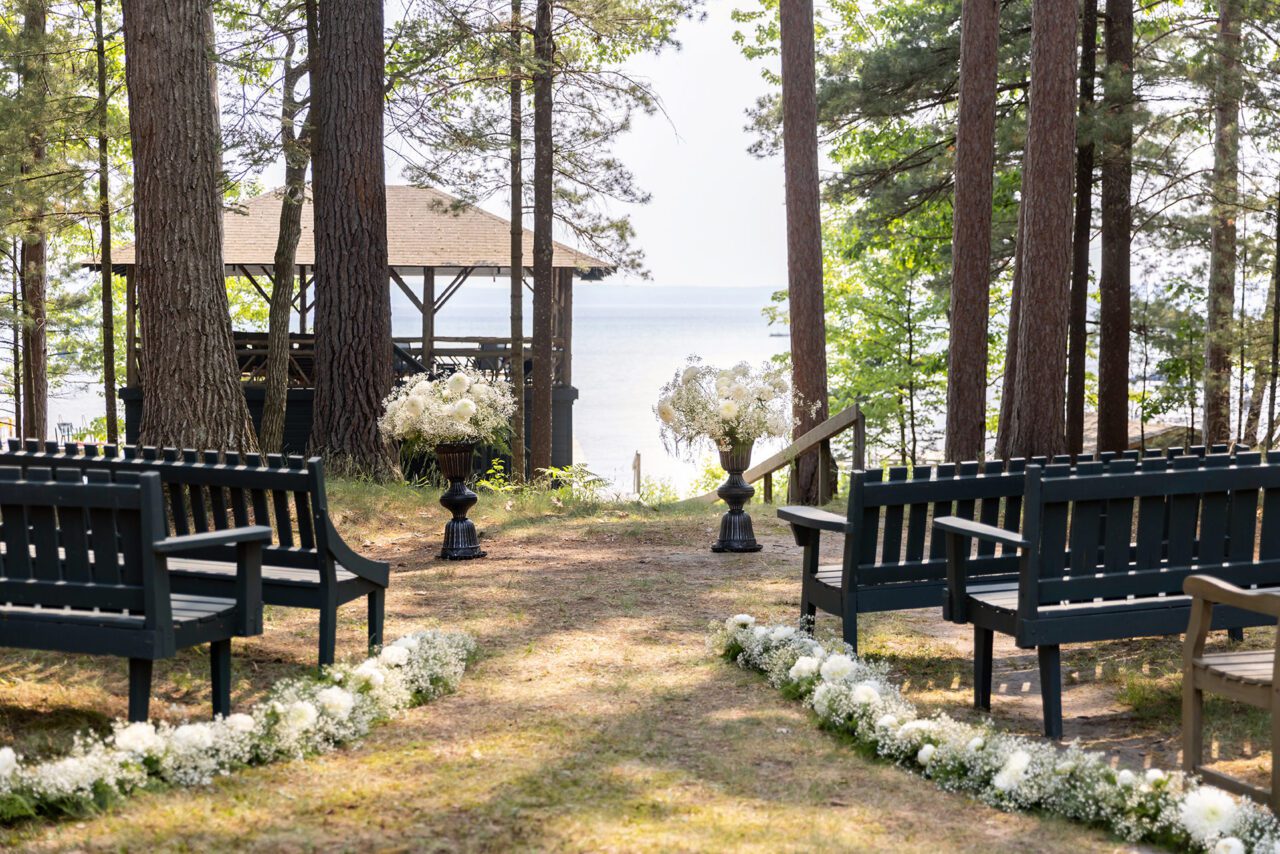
(302, 299)
(564, 305)
(131, 328)
(428, 317)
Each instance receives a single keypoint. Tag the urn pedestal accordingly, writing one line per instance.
(736, 534)
(460, 539)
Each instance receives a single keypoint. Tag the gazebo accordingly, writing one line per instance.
(435, 243)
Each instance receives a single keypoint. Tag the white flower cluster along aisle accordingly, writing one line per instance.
(299, 717)
(856, 699)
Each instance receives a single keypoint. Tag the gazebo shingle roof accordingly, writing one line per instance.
(425, 228)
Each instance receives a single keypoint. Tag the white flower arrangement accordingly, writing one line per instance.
(705, 405)
(299, 717)
(1009, 772)
(424, 412)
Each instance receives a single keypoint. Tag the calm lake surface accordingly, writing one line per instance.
(628, 341)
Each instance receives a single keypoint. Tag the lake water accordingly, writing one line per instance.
(628, 341)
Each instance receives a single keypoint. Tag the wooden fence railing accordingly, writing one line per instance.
(846, 419)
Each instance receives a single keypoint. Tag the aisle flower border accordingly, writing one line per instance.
(299, 717)
(856, 699)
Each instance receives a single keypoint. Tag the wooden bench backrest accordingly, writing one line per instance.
(82, 545)
(204, 492)
(1125, 532)
(891, 513)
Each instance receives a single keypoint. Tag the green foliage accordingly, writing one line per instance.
(656, 491)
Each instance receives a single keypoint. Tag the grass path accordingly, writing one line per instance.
(596, 720)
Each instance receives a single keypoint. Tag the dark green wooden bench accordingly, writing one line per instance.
(1102, 555)
(85, 570)
(890, 562)
(306, 565)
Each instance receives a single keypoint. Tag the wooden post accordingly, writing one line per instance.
(566, 326)
(768, 488)
(635, 470)
(302, 299)
(428, 317)
(131, 328)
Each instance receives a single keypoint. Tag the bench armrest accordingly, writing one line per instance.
(959, 532)
(379, 572)
(226, 537)
(248, 541)
(813, 518)
(1218, 592)
(977, 531)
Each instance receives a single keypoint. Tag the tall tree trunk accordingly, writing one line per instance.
(104, 216)
(1048, 169)
(543, 248)
(15, 297)
(1273, 371)
(34, 250)
(1222, 240)
(804, 245)
(971, 232)
(296, 155)
(1117, 228)
(1007, 394)
(189, 371)
(1077, 331)
(519, 465)
(353, 295)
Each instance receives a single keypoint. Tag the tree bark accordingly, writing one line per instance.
(519, 465)
(1048, 169)
(1117, 228)
(104, 216)
(543, 248)
(804, 245)
(1078, 333)
(1222, 240)
(33, 255)
(1007, 394)
(353, 295)
(189, 371)
(296, 155)
(971, 232)
(1273, 369)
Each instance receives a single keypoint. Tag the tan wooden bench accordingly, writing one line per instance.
(1247, 676)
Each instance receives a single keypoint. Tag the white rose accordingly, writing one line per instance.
(336, 702)
(193, 738)
(865, 693)
(925, 755)
(414, 406)
(369, 673)
(459, 383)
(240, 722)
(739, 392)
(728, 409)
(1126, 777)
(806, 667)
(395, 656)
(690, 374)
(1229, 845)
(975, 744)
(666, 412)
(836, 668)
(739, 621)
(300, 716)
(464, 409)
(8, 762)
(141, 739)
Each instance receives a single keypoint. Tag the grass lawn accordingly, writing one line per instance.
(596, 718)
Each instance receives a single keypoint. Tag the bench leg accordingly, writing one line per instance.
(983, 641)
(139, 689)
(377, 613)
(328, 633)
(220, 676)
(1193, 725)
(849, 628)
(1051, 689)
(1235, 635)
(808, 610)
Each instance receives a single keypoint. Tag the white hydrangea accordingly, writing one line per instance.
(1208, 813)
(140, 739)
(866, 693)
(806, 667)
(192, 738)
(1229, 845)
(740, 621)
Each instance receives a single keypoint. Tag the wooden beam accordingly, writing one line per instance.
(302, 302)
(413, 298)
(833, 426)
(131, 328)
(458, 280)
(245, 272)
(428, 306)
